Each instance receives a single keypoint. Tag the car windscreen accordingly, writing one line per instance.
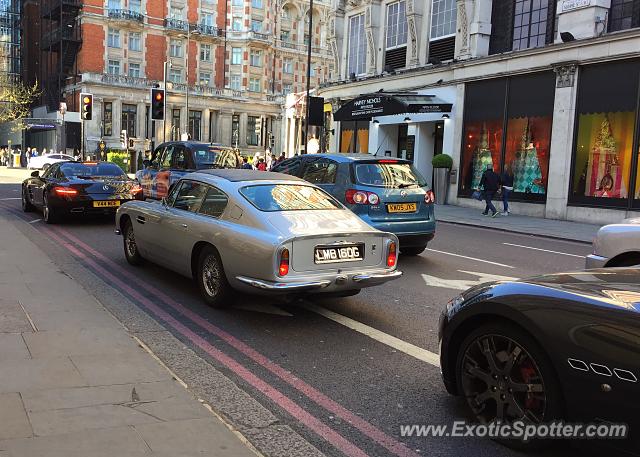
(388, 174)
(288, 197)
(91, 170)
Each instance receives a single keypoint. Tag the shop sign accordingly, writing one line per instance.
(367, 107)
(433, 108)
(570, 5)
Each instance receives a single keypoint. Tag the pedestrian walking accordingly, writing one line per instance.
(490, 182)
(507, 187)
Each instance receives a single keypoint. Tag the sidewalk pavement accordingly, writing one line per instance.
(13, 175)
(74, 383)
(549, 228)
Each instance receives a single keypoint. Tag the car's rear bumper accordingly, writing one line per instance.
(595, 261)
(334, 283)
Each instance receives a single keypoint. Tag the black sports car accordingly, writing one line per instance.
(78, 188)
(556, 347)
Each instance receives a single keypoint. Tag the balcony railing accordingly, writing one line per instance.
(249, 35)
(209, 30)
(127, 15)
(176, 24)
(118, 80)
(202, 89)
(301, 47)
(260, 36)
(56, 35)
(55, 4)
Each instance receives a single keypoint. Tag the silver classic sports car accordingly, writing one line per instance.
(257, 232)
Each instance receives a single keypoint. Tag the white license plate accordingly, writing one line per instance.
(340, 253)
(106, 203)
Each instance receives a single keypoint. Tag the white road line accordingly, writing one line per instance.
(11, 198)
(384, 338)
(544, 250)
(471, 258)
(34, 221)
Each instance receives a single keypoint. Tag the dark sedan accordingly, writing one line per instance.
(556, 347)
(78, 188)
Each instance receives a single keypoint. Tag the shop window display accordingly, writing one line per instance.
(512, 134)
(354, 136)
(527, 153)
(603, 156)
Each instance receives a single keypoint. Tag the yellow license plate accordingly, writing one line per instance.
(106, 203)
(402, 207)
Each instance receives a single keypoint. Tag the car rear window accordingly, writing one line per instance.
(91, 169)
(207, 157)
(288, 197)
(388, 174)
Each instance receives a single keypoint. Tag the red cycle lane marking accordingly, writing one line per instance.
(318, 397)
(322, 430)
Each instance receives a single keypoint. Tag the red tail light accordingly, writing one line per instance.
(387, 161)
(283, 268)
(429, 197)
(392, 254)
(361, 197)
(136, 189)
(65, 191)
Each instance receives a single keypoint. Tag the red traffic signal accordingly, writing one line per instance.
(157, 104)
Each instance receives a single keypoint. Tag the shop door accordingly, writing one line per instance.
(401, 152)
(438, 136)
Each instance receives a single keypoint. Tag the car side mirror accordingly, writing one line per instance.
(35, 174)
(45, 167)
(146, 163)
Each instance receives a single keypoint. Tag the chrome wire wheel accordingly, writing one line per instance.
(211, 275)
(130, 242)
(502, 381)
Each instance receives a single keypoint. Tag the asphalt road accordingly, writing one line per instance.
(303, 378)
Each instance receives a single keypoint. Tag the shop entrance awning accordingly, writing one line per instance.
(365, 107)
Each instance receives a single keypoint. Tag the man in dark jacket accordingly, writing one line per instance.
(490, 182)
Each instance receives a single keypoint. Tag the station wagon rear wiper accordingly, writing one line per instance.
(405, 185)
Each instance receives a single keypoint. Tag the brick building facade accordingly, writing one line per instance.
(238, 59)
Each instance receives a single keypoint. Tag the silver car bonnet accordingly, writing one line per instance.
(319, 222)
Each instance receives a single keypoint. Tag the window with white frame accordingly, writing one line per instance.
(256, 3)
(236, 24)
(205, 78)
(206, 19)
(443, 18)
(254, 85)
(134, 69)
(255, 58)
(135, 6)
(175, 75)
(357, 45)
(113, 4)
(256, 25)
(175, 48)
(236, 56)
(235, 82)
(205, 52)
(287, 65)
(113, 38)
(312, 70)
(176, 13)
(237, 2)
(287, 88)
(396, 25)
(135, 41)
(113, 67)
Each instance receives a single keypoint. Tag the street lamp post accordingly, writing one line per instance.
(164, 108)
(189, 33)
(306, 121)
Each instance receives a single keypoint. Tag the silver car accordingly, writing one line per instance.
(616, 245)
(257, 232)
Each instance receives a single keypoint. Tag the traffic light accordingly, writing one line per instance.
(157, 104)
(86, 106)
(130, 143)
(258, 126)
(272, 141)
(123, 138)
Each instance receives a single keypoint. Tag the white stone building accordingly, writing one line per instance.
(547, 90)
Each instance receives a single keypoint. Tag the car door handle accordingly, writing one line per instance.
(141, 219)
(183, 225)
